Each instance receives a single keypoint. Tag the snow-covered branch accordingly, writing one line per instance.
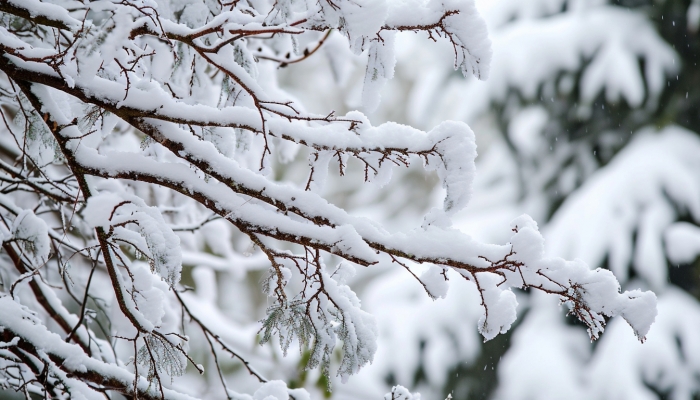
(131, 120)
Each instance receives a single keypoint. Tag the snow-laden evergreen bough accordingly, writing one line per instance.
(128, 126)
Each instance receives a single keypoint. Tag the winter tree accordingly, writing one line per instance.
(145, 153)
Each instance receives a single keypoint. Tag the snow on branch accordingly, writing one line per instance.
(63, 366)
(130, 120)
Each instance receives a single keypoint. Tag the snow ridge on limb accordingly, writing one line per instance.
(456, 20)
(42, 12)
(591, 295)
